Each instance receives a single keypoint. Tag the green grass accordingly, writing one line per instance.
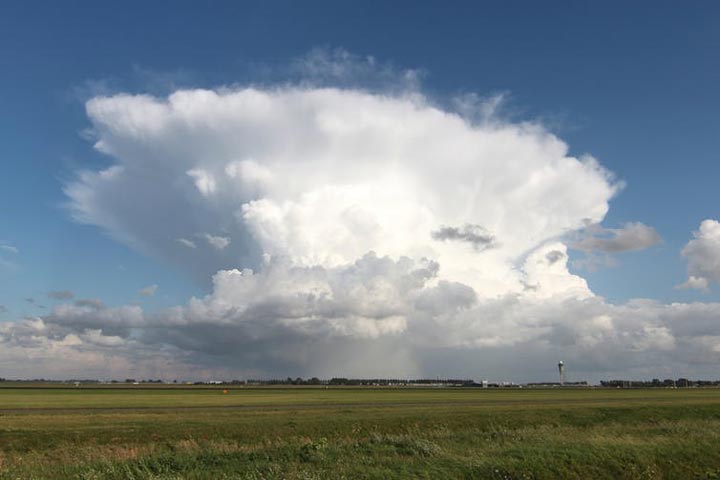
(298, 433)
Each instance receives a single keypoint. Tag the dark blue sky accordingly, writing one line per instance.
(635, 84)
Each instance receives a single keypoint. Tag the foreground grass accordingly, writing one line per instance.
(360, 433)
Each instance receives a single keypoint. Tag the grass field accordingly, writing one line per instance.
(305, 433)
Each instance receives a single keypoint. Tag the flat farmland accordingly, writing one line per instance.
(303, 433)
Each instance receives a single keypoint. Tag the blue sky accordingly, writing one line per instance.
(634, 84)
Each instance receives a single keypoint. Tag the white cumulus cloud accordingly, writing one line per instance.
(703, 256)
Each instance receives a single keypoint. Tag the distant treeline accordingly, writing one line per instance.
(362, 381)
(386, 382)
(287, 381)
(557, 384)
(656, 382)
(81, 380)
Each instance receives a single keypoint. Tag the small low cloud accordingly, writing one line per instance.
(631, 237)
(3, 309)
(475, 235)
(61, 295)
(148, 291)
(30, 300)
(696, 283)
(204, 181)
(216, 241)
(186, 242)
(90, 302)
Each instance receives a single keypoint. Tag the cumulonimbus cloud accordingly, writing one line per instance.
(363, 233)
(322, 176)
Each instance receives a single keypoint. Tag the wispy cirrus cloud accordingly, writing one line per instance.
(9, 249)
(218, 242)
(187, 243)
